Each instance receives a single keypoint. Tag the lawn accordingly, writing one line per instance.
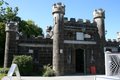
(2, 75)
(3, 72)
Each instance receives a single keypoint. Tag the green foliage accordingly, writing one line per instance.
(48, 71)
(4, 70)
(1, 3)
(25, 64)
(7, 13)
(29, 28)
(2, 42)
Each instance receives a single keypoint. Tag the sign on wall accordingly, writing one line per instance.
(79, 36)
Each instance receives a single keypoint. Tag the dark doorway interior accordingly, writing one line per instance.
(79, 60)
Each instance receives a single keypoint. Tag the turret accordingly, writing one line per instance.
(11, 30)
(99, 16)
(58, 11)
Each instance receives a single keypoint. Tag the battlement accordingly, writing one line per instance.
(12, 23)
(99, 13)
(78, 21)
(111, 40)
(36, 40)
(112, 43)
(11, 26)
(58, 8)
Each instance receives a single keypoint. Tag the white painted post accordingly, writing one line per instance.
(13, 69)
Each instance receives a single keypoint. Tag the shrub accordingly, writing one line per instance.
(4, 70)
(24, 63)
(48, 71)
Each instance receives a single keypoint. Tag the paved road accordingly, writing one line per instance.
(60, 78)
(95, 77)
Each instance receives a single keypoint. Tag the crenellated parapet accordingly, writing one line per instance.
(112, 45)
(11, 26)
(99, 13)
(58, 8)
(78, 22)
(37, 40)
(112, 42)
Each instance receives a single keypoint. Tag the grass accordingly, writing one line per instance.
(3, 72)
(2, 75)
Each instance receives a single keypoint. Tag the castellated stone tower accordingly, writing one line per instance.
(99, 16)
(58, 11)
(11, 30)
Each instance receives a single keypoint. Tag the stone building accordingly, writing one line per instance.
(71, 46)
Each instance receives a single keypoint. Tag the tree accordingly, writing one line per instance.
(2, 41)
(29, 28)
(7, 14)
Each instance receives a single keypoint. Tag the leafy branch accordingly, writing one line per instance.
(7, 13)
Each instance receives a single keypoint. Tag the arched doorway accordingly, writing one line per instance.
(79, 60)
